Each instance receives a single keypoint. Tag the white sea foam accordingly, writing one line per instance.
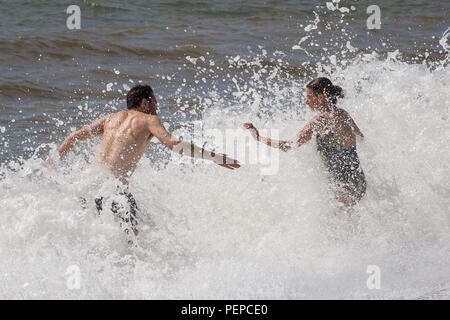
(207, 232)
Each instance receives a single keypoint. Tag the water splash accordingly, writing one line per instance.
(211, 233)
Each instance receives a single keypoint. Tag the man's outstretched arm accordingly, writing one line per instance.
(186, 148)
(88, 132)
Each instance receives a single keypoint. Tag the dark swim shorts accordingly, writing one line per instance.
(124, 207)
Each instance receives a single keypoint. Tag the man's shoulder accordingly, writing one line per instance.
(152, 118)
(115, 115)
(151, 122)
(139, 118)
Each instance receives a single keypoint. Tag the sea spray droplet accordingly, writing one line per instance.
(330, 6)
(393, 55)
(350, 47)
(444, 40)
(255, 105)
(314, 25)
(298, 47)
(333, 59)
(191, 60)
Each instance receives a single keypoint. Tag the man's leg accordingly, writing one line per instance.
(344, 198)
(127, 214)
(133, 212)
(99, 204)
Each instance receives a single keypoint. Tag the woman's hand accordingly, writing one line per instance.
(280, 144)
(253, 131)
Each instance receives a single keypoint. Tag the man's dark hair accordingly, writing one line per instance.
(137, 93)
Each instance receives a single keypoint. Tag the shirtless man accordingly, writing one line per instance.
(126, 135)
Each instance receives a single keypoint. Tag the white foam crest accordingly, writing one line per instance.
(212, 233)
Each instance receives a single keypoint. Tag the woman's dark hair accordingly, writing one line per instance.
(137, 93)
(324, 86)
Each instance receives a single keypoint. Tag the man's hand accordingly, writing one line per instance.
(224, 161)
(50, 163)
(254, 132)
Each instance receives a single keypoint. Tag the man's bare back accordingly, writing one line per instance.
(125, 138)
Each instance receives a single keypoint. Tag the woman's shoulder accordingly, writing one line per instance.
(340, 111)
(319, 123)
(324, 116)
(343, 114)
(321, 119)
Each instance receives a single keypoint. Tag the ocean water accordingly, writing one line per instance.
(208, 232)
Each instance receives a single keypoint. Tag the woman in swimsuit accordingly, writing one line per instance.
(335, 133)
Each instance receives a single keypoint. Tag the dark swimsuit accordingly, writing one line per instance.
(126, 213)
(343, 165)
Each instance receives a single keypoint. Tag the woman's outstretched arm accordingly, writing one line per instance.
(283, 145)
(314, 125)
